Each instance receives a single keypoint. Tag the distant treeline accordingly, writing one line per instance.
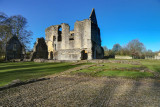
(134, 48)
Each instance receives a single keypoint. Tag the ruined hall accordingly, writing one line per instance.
(82, 43)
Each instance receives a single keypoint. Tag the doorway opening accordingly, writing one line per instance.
(84, 55)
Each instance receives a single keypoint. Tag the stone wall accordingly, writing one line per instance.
(40, 49)
(69, 54)
(14, 49)
(64, 44)
(154, 57)
(82, 34)
(157, 57)
(122, 57)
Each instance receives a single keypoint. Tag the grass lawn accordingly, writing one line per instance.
(122, 70)
(152, 64)
(29, 70)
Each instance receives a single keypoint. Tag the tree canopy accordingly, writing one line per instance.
(136, 48)
(14, 25)
(116, 48)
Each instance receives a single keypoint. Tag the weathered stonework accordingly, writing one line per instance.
(14, 49)
(82, 43)
(40, 49)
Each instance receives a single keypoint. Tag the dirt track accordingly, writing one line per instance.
(84, 91)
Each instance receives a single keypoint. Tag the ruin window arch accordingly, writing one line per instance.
(59, 33)
(54, 38)
(71, 37)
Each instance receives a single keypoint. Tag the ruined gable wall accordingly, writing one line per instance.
(97, 50)
(11, 52)
(65, 36)
(95, 31)
(70, 49)
(40, 49)
(82, 31)
(78, 28)
(50, 32)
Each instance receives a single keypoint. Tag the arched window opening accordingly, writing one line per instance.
(51, 55)
(54, 38)
(55, 47)
(59, 33)
(71, 37)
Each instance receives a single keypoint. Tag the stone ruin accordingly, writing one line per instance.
(83, 43)
(14, 49)
(40, 50)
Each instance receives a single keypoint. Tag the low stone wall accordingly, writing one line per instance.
(91, 61)
(157, 57)
(16, 60)
(153, 58)
(26, 60)
(115, 61)
(149, 57)
(52, 61)
(122, 57)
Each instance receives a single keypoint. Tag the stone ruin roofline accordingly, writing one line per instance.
(92, 13)
(48, 28)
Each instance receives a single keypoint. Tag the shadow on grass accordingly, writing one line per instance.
(156, 68)
(30, 73)
(25, 65)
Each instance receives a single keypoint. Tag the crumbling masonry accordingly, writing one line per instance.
(83, 43)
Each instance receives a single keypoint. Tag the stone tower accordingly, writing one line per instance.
(83, 43)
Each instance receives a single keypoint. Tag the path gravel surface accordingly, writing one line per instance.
(80, 91)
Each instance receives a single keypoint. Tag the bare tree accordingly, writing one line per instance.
(18, 24)
(105, 48)
(136, 48)
(14, 25)
(116, 48)
(5, 32)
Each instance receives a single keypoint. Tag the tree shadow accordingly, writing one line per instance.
(31, 73)
(26, 65)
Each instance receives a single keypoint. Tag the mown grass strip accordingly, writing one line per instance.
(31, 70)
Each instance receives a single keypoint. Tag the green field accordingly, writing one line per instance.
(123, 70)
(30, 70)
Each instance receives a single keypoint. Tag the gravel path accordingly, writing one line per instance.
(62, 91)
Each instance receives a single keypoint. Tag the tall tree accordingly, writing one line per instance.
(14, 25)
(136, 48)
(116, 48)
(105, 48)
(149, 53)
(106, 51)
(5, 32)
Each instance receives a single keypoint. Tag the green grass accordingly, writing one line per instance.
(30, 70)
(153, 65)
(125, 74)
(110, 69)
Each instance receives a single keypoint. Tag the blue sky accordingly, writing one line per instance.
(120, 21)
